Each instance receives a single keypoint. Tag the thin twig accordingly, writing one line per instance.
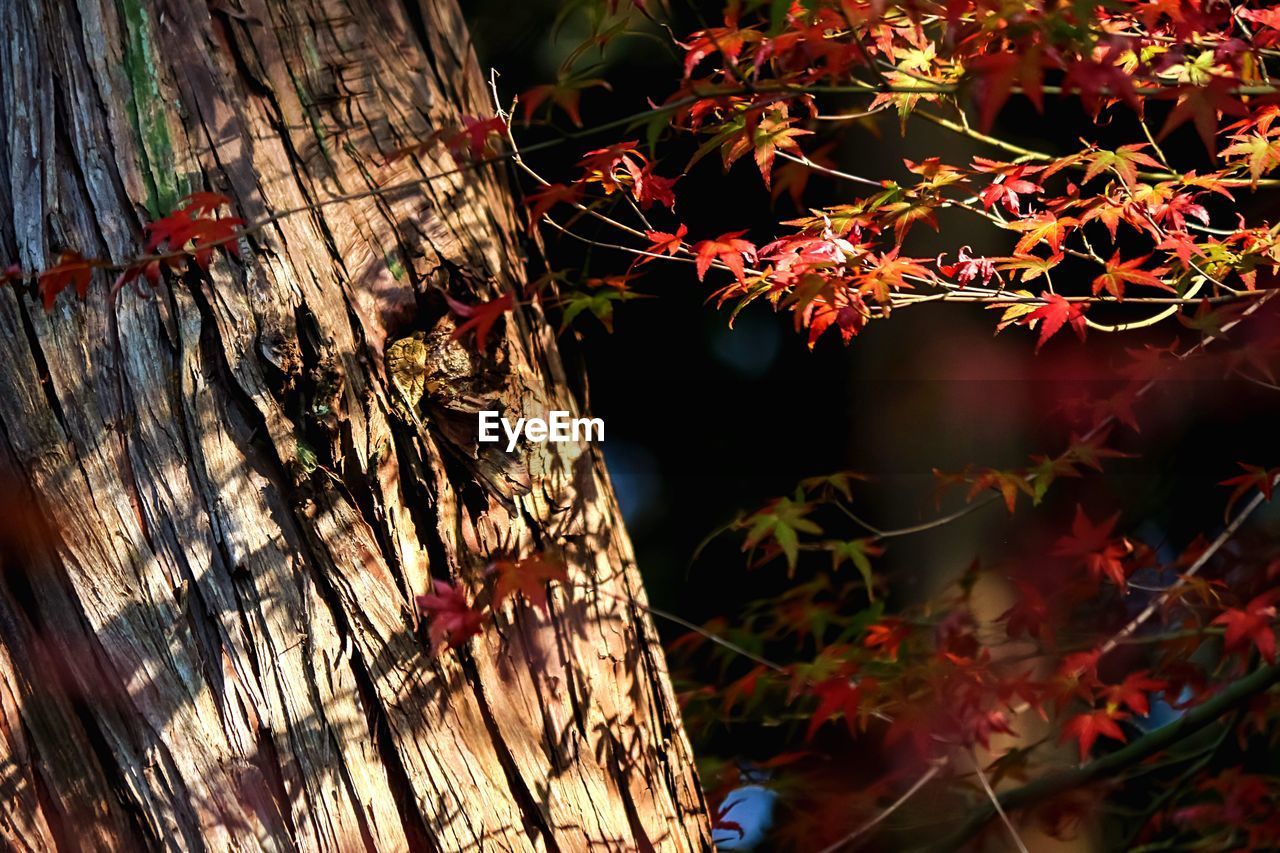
(881, 816)
(995, 803)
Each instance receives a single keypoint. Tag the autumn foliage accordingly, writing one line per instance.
(1153, 220)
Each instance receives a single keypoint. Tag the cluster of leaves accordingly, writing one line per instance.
(754, 85)
(935, 679)
(191, 232)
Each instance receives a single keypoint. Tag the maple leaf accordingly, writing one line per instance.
(1087, 728)
(996, 73)
(887, 272)
(1269, 18)
(742, 689)
(1011, 181)
(449, 614)
(968, 269)
(728, 41)
(792, 178)
(1124, 161)
(1029, 614)
(1251, 626)
(1255, 477)
(1007, 483)
(1119, 273)
(1209, 321)
(480, 317)
(729, 249)
(148, 270)
(649, 188)
(1027, 268)
(541, 201)
(1201, 105)
(664, 243)
(1043, 227)
(782, 520)
(621, 166)
(859, 552)
(529, 577)
(1092, 544)
(473, 137)
(846, 312)
(887, 636)
(840, 483)
(1135, 692)
(1096, 79)
(1260, 153)
(835, 695)
(1055, 313)
(71, 270)
(564, 93)
(186, 230)
(204, 203)
(599, 304)
(764, 137)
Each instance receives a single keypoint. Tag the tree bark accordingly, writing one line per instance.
(215, 523)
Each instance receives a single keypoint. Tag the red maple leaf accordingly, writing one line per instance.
(1011, 181)
(1201, 105)
(473, 138)
(847, 313)
(1095, 547)
(1135, 692)
(204, 203)
(729, 249)
(649, 189)
(1119, 273)
(996, 74)
(480, 317)
(1044, 227)
(1099, 79)
(742, 689)
(529, 577)
(448, 613)
(764, 136)
(969, 268)
(1255, 477)
(541, 201)
(664, 243)
(1029, 614)
(1055, 313)
(565, 94)
(186, 230)
(886, 637)
(71, 270)
(835, 695)
(1251, 626)
(1086, 728)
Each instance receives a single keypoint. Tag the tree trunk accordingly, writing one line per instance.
(216, 523)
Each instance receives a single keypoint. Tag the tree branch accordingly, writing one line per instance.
(1144, 747)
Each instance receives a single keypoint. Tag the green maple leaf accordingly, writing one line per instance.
(782, 521)
(859, 552)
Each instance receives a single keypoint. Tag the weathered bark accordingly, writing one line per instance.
(207, 636)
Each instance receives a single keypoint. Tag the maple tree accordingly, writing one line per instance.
(1120, 649)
